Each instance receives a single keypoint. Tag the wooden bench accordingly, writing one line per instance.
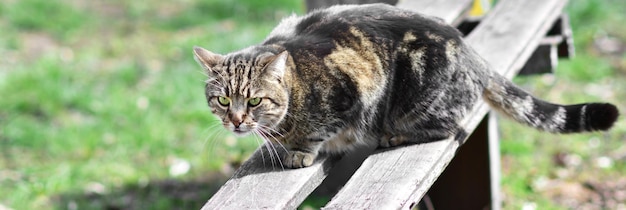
(514, 35)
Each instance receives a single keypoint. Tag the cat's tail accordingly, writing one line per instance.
(516, 103)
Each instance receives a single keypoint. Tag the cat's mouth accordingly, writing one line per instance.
(240, 132)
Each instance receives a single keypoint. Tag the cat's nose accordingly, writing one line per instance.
(236, 119)
(236, 123)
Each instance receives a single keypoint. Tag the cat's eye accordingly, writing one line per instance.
(223, 101)
(254, 101)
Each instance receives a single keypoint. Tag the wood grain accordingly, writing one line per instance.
(262, 184)
(451, 11)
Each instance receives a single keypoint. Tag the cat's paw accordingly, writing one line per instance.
(298, 159)
(392, 140)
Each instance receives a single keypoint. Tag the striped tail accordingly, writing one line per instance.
(516, 103)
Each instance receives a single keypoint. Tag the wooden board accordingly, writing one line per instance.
(507, 41)
(398, 178)
(257, 185)
(261, 184)
(451, 11)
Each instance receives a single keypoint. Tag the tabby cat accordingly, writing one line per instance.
(371, 74)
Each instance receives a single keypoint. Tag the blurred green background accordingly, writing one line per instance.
(102, 106)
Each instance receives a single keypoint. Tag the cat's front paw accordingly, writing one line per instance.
(298, 159)
(392, 140)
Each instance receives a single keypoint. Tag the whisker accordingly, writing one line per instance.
(212, 137)
(270, 149)
(272, 158)
(272, 130)
(273, 146)
(257, 136)
(203, 73)
(262, 137)
(216, 139)
(278, 156)
(263, 128)
(221, 77)
(210, 82)
(206, 132)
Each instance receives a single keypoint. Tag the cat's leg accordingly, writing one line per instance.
(302, 155)
(415, 136)
(421, 130)
(303, 152)
(431, 118)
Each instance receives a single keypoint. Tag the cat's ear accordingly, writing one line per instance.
(277, 65)
(206, 59)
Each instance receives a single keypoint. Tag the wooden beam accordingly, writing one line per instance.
(399, 177)
(508, 40)
(261, 183)
(472, 179)
(451, 11)
(557, 44)
(563, 28)
(320, 4)
(543, 60)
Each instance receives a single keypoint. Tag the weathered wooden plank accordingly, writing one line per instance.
(320, 4)
(543, 60)
(557, 44)
(451, 11)
(563, 28)
(399, 177)
(508, 40)
(257, 185)
(261, 183)
(494, 161)
(466, 179)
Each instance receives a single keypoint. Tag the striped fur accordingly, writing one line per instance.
(374, 74)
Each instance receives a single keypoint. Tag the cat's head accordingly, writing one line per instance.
(247, 92)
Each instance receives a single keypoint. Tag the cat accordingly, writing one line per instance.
(351, 75)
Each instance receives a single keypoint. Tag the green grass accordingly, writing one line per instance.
(98, 99)
(55, 17)
(528, 156)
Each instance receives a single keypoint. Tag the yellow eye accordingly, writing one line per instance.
(254, 101)
(223, 101)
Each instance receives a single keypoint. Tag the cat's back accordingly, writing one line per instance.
(355, 52)
(375, 20)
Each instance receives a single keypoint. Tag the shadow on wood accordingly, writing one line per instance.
(466, 180)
